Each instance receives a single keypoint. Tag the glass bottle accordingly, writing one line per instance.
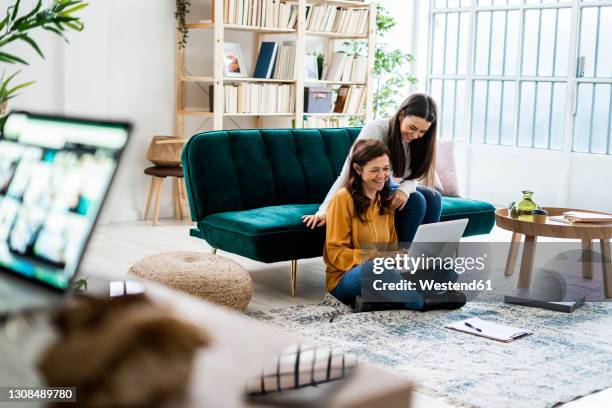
(524, 208)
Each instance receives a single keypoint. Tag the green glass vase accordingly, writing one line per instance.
(523, 210)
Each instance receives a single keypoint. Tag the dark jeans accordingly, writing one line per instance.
(350, 285)
(424, 206)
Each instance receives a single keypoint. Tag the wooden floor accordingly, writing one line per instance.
(115, 247)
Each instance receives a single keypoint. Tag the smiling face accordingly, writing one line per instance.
(413, 127)
(374, 173)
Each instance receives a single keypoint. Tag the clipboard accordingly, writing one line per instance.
(489, 330)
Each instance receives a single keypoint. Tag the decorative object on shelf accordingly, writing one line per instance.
(158, 174)
(104, 346)
(211, 277)
(57, 17)
(320, 63)
(312, 68)
(165, 151)
(523, 210)
(317, 100)
(233, 63)
(182, 9)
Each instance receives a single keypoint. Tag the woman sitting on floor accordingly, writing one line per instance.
(359, 216)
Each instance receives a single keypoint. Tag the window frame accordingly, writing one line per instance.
(571, 80)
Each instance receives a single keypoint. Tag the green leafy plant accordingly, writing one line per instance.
(6, 92)
(391, 74)
(182, 9)
(80, 284)
(57, 18)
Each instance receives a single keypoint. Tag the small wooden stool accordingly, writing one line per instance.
(158, 174)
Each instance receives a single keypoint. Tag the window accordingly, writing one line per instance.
(523, 72)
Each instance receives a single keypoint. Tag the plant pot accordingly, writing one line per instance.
(165, 151)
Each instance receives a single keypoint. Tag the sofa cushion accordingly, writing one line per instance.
(481, 215)
(267, 234)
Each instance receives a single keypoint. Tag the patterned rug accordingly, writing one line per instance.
(569, 355)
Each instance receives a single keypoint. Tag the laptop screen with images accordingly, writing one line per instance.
(54, 176)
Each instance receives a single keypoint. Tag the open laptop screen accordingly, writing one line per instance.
(54, 176)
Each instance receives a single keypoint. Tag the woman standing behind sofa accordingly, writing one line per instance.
(410, 136)
(360, 214)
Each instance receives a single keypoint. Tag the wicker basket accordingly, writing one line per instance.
(165, 151)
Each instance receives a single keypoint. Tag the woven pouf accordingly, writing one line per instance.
(211, 277)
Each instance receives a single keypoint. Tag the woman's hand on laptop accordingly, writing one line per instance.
(314, 221)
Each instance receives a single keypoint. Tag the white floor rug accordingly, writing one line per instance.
(569, 355)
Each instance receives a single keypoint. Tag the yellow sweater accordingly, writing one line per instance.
(346, 235)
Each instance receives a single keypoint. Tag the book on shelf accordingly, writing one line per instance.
(350, 99)
(260, 13)
(347, 68)
(316, 122)
(331, 18)
(341, 99)
(265, 61)
(257, 98)
(284, 67)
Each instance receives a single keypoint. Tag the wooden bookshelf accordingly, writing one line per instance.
(299, 34)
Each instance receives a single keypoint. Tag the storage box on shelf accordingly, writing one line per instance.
(276, 82)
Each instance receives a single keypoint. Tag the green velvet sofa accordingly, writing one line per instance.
(248, 190)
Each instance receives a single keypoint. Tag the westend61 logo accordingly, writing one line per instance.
(412, 264)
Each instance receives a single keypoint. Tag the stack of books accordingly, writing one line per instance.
(259, 98)
(314, 122)
(276, 60)
(260, 13)
(583, 217)
(332, 19)
(350, 100)
(347, 68)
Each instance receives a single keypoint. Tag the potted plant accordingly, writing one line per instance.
(58, 17)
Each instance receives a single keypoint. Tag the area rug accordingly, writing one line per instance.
(568, 355)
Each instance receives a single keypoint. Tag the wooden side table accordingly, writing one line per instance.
(587, 232)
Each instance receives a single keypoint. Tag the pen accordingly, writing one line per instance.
(473, 327)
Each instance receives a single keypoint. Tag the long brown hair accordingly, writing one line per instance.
(422, 150)
(363, 152)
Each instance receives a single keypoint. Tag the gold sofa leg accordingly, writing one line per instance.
(214, 251)
(293, 276)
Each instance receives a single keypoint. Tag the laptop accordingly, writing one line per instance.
(440, 239)
(55, 173)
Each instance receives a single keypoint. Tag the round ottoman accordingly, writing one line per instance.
(211, 277)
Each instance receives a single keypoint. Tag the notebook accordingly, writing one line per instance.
(578, 216)
(490, 330)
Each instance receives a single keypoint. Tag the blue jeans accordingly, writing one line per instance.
(424, 206)
(350, 285)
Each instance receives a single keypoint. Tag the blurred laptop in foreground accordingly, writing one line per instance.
(55, 173)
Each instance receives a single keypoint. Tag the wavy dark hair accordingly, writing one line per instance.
(363, 152)
(422, 150)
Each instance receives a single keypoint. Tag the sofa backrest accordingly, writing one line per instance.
(234, 170)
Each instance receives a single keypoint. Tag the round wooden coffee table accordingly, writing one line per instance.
(531, 230)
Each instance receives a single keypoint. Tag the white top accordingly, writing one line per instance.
(377, 130)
